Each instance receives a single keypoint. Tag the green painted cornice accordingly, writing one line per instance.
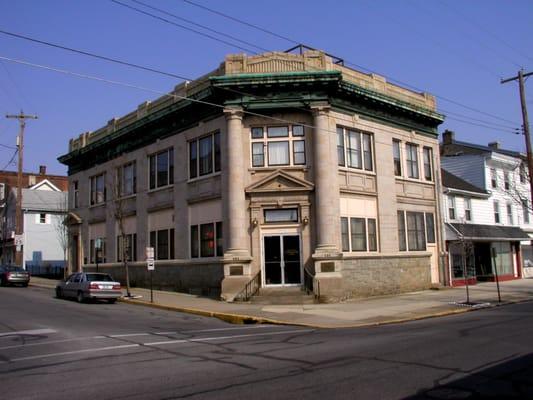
(292, 78)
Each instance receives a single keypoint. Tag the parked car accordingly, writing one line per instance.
(89, 285)
(12, 275)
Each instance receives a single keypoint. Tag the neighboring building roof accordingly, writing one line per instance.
(30, 179)
(43, 200)
(488, 232)
(452, 147)
(452, 181)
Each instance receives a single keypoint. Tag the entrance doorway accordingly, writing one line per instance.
(282, 264)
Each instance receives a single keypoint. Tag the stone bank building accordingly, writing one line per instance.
(275, 170)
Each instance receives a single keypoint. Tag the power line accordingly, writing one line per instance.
(11, 160)
(86, 53)
(199, 25)
(241, 21)
(473, 22)
(182, 26)
(149, 69)
(389, 78)
(5, 146)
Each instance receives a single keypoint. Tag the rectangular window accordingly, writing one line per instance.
(430, 228)
(402, 242)
(195, 251)
(278, 153)
(451, 207)
(193, 159)
(493, 178)
(127, 179)
(411, 151)
(416, 236)
(510, 214)
(299, 152)
(358, 233)
(258, 154)
(372, 235)
(204, 155)
(281, 215)
(162, 169)
(277, 131)
(506, 180)
(468, 208)
(280, 145)
(522, 173)
(428, 175)
(525, 210)
(41, 218)
(97, 255)
(130, 248)
(340, 147)
(496, 212)
(396, 155)
(76, 194)
(98, 194)
(345, 235)
(354, 149)
(298, 130)
(207, 240)
(163, 243)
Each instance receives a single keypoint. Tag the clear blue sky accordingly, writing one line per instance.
(457, 50)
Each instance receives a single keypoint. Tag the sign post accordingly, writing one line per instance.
(150, 264)
(493, 250)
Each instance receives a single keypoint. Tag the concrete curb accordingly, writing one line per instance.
(242, 319)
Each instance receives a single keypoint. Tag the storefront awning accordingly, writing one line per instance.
(485, 232)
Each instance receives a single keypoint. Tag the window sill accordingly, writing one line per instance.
(414, 180)
(159, 189)
(357, 170)
(129, 196)
(203, 177)
(303, 168)
(97, 205)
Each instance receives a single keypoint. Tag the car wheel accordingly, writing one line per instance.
(111, 301)
(80, 297)
(3, 282)
(59, 293)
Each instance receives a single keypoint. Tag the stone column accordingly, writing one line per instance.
(234, 196)
(237, 266)
(327, 256)
(326, 182)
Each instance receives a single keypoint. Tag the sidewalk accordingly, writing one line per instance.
(352, 313)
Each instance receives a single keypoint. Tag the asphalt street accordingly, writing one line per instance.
(59, 349)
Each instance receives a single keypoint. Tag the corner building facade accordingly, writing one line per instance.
(279, 169)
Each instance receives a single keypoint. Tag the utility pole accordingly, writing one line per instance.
(18, 213)
(520, 77)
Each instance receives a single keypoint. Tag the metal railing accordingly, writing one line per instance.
(250, 289)
(310, 285)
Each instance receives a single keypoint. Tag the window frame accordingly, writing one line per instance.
(413, 165)
(496, 209)
(370, 236)
(467, 201)
(215, 165)
(427, 160)
(510, 217)
(452, 207)
(267, 139)
(195, 240)
(397, 158)
(525, 211)
(493, 178)
(94, 198)
(404, 242)
(131, 239)
(75, 193)
(154, 242)
(153, 170)
(121, 177)
(356, 157)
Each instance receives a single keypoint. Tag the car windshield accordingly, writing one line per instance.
(99, 278)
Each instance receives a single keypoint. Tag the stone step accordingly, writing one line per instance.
(282, 296)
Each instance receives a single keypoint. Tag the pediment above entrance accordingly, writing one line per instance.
(73, 219)
(280, 181)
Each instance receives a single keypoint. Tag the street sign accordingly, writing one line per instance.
(98, 244)
(19, 240)
(150, 258)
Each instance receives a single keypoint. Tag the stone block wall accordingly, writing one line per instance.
(382, 275)
(201, 279)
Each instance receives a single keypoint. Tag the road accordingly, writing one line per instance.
(59, 349)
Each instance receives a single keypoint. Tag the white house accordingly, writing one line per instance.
(486, 209)
(43, 208)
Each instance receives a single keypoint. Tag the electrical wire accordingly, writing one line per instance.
(182, 26)
(11, 160)
(348, 62)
